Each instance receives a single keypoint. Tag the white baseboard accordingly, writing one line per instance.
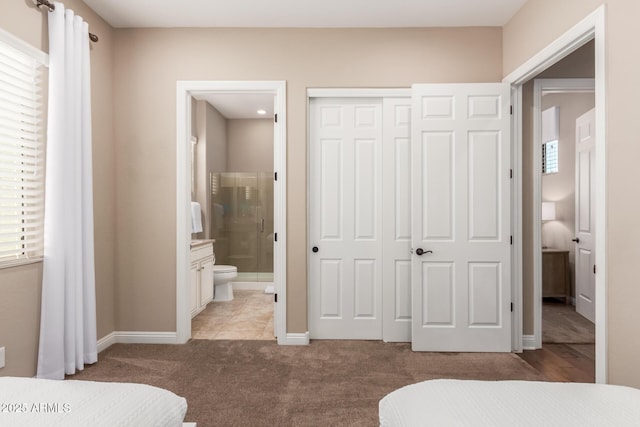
(251, 286)
(295, 339)
(135, 337)
(107, 341)
(529, 342)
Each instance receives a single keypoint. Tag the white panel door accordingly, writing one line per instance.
(345, 219)
(585, 221)
(396, 224)
(461, 290)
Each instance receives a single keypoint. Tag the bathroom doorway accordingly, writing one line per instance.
(234, 178)
(235, 173)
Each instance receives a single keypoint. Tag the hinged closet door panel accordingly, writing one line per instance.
(461, 290)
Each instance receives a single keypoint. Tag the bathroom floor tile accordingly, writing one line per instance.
(249, 316)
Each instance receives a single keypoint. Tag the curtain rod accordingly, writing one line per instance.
(52, 7)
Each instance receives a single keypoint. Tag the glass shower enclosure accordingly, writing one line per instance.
(242, 223)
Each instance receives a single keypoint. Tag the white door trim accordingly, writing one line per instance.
(184, 90)
(517, 339)
(546, 86)
(592, 27)
(358, 93)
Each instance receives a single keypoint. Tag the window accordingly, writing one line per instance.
(550, 136)
(22, 121)
(550, 157)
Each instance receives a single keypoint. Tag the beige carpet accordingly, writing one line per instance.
(258, 383)
(562, 325)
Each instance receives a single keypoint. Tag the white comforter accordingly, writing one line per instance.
(510, 403)
(33, 402)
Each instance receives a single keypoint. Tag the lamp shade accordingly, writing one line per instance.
(548, 211)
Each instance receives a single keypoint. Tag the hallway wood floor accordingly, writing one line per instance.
(563, 362)
(568, 349)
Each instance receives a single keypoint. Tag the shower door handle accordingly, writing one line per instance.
(262, 226)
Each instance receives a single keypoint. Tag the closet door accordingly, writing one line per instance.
(345, 271)
(396, 220)
(461, 290)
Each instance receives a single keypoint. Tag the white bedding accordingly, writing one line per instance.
(510, 403)
(34, 402)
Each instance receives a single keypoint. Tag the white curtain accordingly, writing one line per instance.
(68, 313)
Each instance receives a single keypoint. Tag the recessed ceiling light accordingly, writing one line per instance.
(262, 112)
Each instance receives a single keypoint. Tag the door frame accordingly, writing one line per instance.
(592, 27)
(184, 91)
(539, 87)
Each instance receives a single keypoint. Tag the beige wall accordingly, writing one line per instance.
(148, 63)
(20, 292)
(560, 187)
(217, 141)
(250, 145)
(580, 64)
(538, 23)
(211, 156)
(20, 287)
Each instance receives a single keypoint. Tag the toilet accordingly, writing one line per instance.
(223, 276)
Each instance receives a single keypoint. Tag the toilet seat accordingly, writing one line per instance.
(224, 268)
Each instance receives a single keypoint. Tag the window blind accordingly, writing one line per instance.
(22, 156)
(550, 157)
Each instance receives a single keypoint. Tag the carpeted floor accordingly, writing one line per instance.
(562, 325)
(258, 383)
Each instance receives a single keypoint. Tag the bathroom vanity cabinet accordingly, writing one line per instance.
(201, 275)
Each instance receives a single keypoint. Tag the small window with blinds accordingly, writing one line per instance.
(550, 157)
(550, 134)
(22, 155)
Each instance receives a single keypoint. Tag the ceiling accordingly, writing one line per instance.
(240, 105)
(305, 13)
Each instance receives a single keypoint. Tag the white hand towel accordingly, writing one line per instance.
(196, 218)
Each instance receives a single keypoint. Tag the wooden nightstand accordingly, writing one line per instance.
(556, 282)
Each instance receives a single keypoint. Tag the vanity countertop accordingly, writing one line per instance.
(201, 242)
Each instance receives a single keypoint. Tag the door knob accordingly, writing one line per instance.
(314, 249)
(577, 240)
(420, 252)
